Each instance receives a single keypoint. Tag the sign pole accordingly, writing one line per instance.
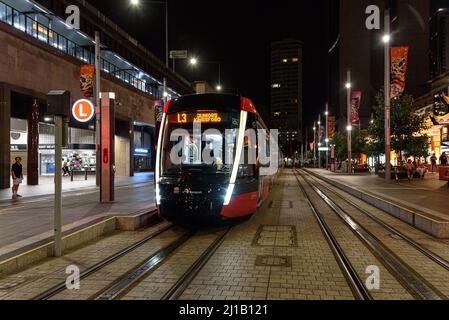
(58, 186)
(319, 141)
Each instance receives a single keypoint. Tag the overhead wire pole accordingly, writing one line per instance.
(327, 135)
(314, 145)
(319, 140)
(349, 125)
(165, 93)
(387, 97)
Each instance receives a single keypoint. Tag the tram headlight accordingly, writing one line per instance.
(229, 193)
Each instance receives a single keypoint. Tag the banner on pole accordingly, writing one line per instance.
(331, 126)
(356, 99)
(399, 63)
(87, 76)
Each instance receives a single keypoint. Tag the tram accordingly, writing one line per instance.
(201, 139)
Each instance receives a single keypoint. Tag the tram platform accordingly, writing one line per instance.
(422, 203)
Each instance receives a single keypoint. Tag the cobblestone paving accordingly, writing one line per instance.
(359, 255)
(422, 265)
(231, 274)
(50, 272)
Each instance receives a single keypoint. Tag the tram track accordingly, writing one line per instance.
(355, 283)
(411, 280)
(428, 253)
(125, 284)
(52, 292)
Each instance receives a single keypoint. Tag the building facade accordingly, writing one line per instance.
(287, 93)
(38, 53)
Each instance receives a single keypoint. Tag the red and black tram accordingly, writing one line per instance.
(201, 139)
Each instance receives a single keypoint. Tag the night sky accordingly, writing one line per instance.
(237, 33)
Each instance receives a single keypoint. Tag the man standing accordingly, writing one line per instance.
(17, 177)
(433, 161)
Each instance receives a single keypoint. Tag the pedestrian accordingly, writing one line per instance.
(433, 161)
(17, 177)
(410, 170)
(443, 159)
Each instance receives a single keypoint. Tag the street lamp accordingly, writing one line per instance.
(194, 61)
(349, 125)
(386, 39)
(136, 3)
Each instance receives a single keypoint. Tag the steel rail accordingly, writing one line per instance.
(428, 253)
(417, 286)
(356, 284)
(182, 284)
(62, 286)
(126, 282)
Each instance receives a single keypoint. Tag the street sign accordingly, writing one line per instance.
(83, 110)
(323, 149)
(178, 54)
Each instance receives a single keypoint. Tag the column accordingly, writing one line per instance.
(5, 140)
(131, 148)
(33, 145)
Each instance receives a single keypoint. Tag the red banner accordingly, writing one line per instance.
(331, 126)
(399, 62)
(87, 76)
(356, 99)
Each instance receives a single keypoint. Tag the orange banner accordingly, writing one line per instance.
(399, 62)
(331, 126)
(87, 76)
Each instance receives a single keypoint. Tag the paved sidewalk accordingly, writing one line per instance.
(430, 195)
(46, 185)
(29, 221)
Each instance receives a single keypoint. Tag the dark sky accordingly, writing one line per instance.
(238, 33)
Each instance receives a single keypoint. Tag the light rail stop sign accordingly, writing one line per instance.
(83, 110)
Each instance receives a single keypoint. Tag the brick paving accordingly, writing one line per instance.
(231, 274)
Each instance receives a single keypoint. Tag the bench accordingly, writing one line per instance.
(79, 173)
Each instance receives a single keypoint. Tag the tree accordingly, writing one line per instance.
(406, 127)
(359, 144)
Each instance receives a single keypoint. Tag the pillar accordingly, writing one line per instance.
(5, 140)
(131, 148)
(33, 145)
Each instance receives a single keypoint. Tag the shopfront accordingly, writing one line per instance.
(79, 155)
